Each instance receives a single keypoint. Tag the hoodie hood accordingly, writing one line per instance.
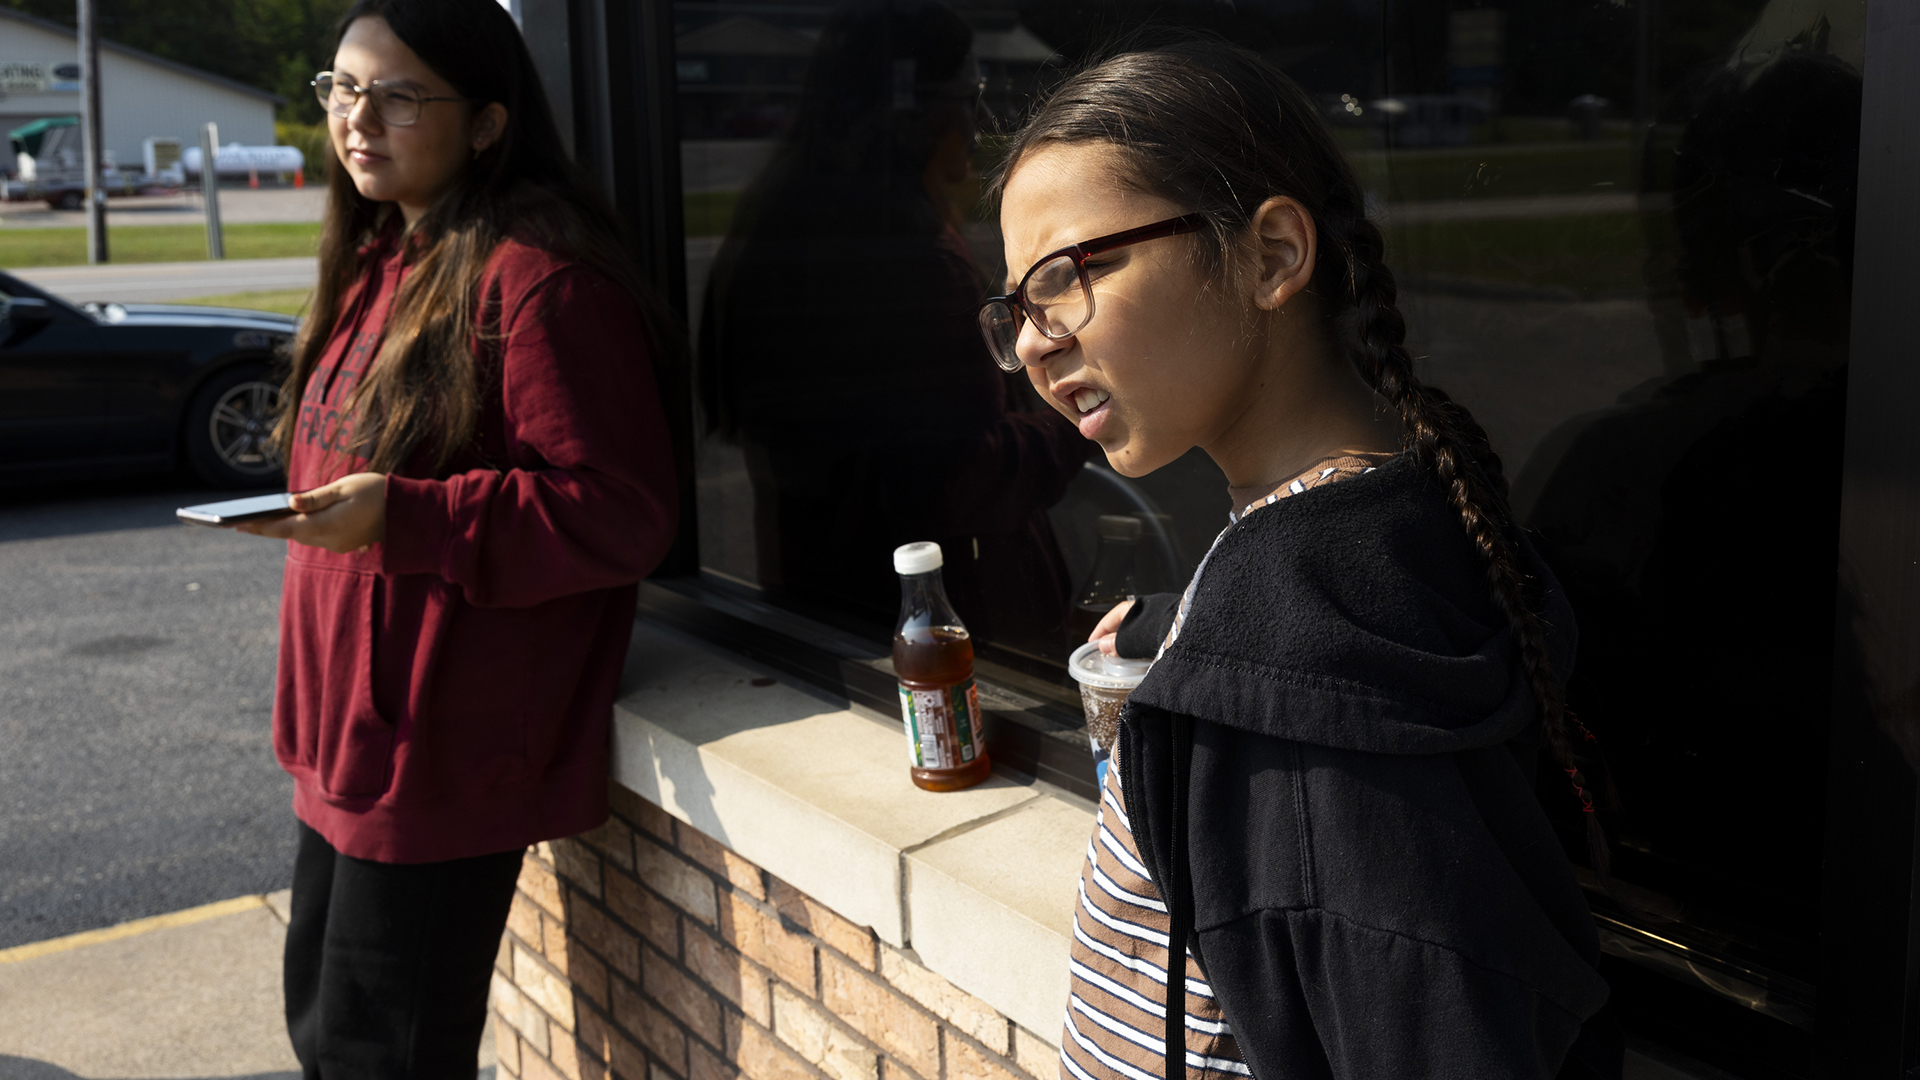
(1330, 775)
(1355, 616)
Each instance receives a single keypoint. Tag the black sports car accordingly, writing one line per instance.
(106, 389)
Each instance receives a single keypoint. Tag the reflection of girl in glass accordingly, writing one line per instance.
(1324, 788)
(839, 351)
(483, 475)
(1662, 512)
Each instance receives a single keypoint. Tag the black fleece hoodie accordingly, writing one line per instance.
(1330, 777)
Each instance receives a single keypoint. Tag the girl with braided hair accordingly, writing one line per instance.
(1323, 792)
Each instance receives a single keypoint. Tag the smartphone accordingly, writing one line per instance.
(234, 511)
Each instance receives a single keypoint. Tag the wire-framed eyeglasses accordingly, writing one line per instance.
(1056, 294)
(396, 104)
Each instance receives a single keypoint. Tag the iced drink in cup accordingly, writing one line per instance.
(1105, 681)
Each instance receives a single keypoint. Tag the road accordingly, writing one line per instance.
(131, 283)
(238, 206)
(136, 688)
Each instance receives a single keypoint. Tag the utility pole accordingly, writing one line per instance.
(210, 190)
(1644, 75)
(90, 119)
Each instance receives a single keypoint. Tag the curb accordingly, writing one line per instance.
(134, 928)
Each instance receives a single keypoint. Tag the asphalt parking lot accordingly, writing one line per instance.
(136, 689)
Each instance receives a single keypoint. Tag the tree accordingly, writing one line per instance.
(275, 45)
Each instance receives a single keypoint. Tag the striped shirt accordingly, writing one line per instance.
(1115, 1025)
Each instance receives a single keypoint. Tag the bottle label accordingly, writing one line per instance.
(943, 727)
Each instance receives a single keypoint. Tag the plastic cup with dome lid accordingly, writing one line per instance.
(1105, 683)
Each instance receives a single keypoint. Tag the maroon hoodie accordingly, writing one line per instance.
(448, 692)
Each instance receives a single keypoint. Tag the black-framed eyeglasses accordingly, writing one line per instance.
(397, 104)
(1056, 294)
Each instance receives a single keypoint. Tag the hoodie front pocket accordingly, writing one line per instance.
(326, 725)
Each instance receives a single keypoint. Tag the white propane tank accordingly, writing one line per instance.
(236, 160)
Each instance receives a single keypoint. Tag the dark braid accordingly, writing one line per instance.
(1211, 126)
(1446, 437)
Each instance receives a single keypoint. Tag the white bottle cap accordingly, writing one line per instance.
(918, 558)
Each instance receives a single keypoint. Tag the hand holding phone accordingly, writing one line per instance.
(348, 514)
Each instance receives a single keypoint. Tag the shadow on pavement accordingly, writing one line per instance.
(43, 511)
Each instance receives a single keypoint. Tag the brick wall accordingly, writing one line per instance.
(649, 951)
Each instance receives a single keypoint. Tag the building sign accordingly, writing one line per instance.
(25, 75)
(38, 76)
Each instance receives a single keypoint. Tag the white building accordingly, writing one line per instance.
(141, 95)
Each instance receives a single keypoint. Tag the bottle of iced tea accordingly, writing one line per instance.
(933, 658)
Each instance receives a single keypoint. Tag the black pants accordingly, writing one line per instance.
(387, 965)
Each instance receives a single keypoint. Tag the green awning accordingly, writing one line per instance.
(28, 139)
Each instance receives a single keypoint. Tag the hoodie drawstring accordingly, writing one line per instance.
(1179, 897)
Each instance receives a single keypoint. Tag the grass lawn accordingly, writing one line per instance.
(284, 301)
(1472, 172)
(1593, 253)
(156, 243)
(1414, 175)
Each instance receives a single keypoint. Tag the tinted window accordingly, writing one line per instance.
(1623, 238)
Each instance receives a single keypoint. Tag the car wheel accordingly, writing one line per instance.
(70, 200)
(229, 429)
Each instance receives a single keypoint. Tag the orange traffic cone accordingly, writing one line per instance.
(253, 178)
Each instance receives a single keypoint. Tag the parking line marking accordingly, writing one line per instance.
(131, 929)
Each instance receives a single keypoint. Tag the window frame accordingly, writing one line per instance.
(609, 68)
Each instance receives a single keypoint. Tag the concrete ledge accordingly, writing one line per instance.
(980, 883)
(992, 908)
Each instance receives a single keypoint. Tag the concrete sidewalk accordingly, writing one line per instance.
(192, 995)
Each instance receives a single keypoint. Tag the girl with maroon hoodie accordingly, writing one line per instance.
(484, 474)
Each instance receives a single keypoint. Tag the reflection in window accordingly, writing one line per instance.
(840, 353)
(1694, 521)
(1623, 238)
